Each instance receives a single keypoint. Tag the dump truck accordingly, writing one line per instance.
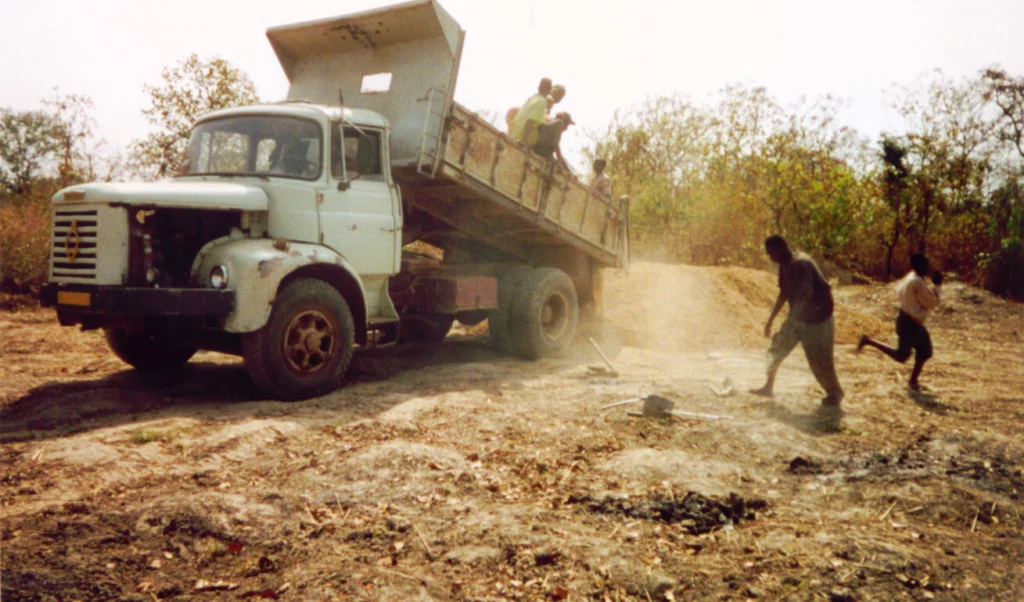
(366, 209)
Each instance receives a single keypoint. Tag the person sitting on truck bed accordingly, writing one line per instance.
(599, 183)
(510, 115)
(549, 139)
(523, 125)
(557, 93)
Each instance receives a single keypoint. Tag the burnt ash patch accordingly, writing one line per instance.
(974, 464)
(802, 465)
(697, 513)
(994, 474)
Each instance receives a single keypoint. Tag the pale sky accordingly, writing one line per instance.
(610, 55)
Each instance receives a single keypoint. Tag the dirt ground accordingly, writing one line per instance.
(454, 473)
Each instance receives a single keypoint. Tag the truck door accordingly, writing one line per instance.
(358, 217)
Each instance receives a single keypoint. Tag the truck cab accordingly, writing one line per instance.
(325, 171)
(267, 195)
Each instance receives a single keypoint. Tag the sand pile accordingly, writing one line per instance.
(688, 308)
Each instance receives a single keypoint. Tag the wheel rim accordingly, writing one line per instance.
(554, 316)
(308, 342)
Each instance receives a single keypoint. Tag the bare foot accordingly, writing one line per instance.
(829, 417)
(832, 399)
(914, 386)
(863, 341)
(763, 392)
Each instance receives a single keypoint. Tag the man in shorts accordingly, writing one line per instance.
(809, 324)
(916, 298)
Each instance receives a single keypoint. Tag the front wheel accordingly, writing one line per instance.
(305, 347)
(148, 353)
(543, 317)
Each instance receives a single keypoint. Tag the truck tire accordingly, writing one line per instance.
(498, 319)
(306, 346)
(418, 327)
(544, 315)
(147, 353)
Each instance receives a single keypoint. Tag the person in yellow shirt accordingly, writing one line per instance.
(523, 125)
(916, 299)
(510, 115)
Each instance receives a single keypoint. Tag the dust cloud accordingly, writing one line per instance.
(682, 308)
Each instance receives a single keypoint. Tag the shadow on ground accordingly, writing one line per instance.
(930, 402)
(214, 390)
(821, 421)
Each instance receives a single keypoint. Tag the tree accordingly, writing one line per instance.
(654, 158)
(189, 89)
(1007, 93)
(28, 139)
(950, 150)
(77, 151)
(895, 183)
(710, 181)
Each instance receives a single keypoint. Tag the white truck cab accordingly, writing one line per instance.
(326, 174)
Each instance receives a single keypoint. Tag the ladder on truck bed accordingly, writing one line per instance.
(433, 133)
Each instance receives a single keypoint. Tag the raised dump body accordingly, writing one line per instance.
(469, 177)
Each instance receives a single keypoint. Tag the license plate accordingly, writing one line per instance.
(73, 298)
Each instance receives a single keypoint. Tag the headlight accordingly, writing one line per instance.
(219, 276)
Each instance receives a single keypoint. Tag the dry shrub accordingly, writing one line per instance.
(24, 242)
(1004, 273)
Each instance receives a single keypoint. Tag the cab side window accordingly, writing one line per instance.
(356, 153)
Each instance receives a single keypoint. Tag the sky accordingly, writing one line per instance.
(610, 55)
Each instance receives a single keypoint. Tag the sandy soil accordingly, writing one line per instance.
(453, 473)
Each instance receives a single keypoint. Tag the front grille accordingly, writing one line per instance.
(74, 244)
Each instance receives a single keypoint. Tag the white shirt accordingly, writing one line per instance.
(916, 297)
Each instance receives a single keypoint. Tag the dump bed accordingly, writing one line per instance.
(402, 61)
(486, 185)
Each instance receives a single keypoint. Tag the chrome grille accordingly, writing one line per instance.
(73, 249)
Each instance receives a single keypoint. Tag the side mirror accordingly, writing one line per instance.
(344, 185)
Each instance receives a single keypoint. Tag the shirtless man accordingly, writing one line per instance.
(916, 298)
(810, 322)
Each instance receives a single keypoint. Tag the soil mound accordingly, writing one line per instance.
(691, 308)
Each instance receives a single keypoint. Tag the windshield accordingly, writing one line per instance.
(260, 145)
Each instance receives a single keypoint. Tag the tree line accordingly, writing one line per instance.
(707, 181)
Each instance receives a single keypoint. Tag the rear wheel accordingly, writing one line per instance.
(148, 353)
(544, 316)
(306, 346)
(498, 319)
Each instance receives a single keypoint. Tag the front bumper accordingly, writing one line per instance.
(91, 299)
